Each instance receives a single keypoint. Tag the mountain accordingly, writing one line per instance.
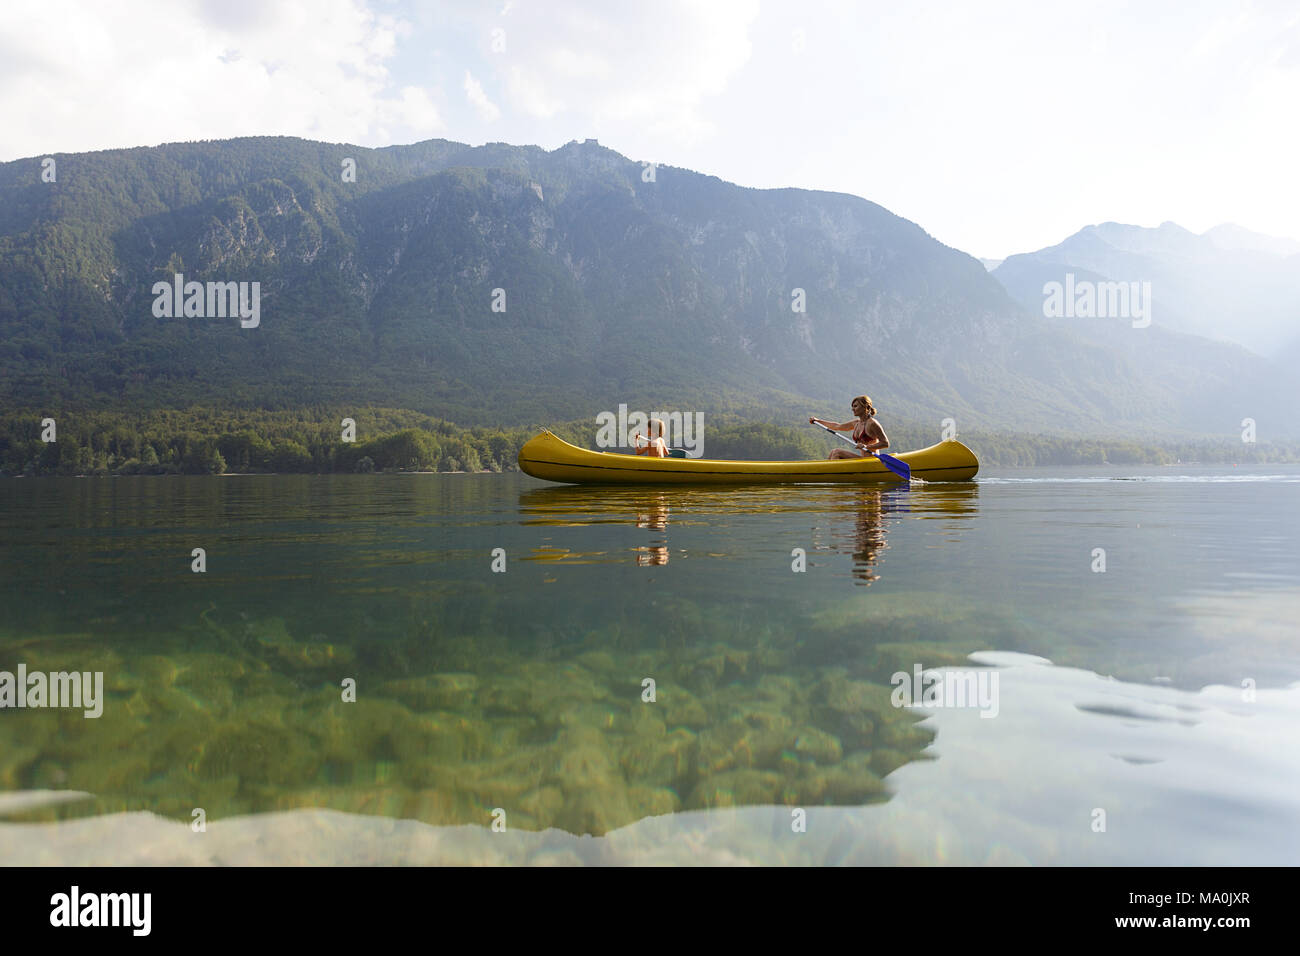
(1233, 237)
(1227, 284)
(500, 284)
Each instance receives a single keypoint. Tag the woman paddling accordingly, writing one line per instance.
(867, 433)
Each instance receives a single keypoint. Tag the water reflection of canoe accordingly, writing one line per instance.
(556, 460)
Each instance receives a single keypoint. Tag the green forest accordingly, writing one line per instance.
(205, 441)
(382, 293)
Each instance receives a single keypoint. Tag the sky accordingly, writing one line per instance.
(998, 127)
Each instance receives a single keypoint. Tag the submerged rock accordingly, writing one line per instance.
(434, 692)
(817, 745)
(660, 761)
(737, 788)
(566, 743)
(596, 810)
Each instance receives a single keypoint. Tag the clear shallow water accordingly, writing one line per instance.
(522, 690)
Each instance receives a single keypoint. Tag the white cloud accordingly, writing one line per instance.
(487, 110)
(96, 76)
(622, 68)
(527, 94)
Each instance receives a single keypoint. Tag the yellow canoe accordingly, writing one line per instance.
(556, 460)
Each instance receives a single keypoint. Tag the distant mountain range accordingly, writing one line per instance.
(1226, 284)
(505, 284)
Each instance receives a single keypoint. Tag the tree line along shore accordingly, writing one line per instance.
(206, 441)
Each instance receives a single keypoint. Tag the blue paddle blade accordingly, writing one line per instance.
(900, 468)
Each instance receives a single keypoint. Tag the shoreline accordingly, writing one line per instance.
(274, 474)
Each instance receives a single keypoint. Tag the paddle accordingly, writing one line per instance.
(900, 468)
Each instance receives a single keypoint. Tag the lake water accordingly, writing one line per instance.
(1133, 632)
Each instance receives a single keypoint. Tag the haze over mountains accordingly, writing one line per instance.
(662, 288)
(1227, 284)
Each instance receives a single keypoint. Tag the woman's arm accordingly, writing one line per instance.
(845, 427)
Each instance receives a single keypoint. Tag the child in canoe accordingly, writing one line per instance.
(655, 445)
(867, 433)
